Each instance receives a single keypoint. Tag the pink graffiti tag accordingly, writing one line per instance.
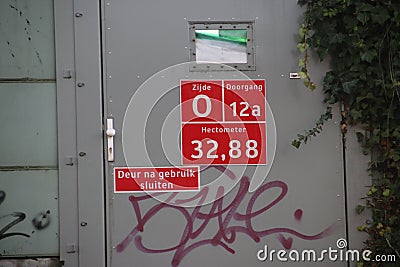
(225, 216)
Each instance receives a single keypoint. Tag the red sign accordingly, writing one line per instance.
(201, 101)
(223, 122)
(244, 100)
(156, 179)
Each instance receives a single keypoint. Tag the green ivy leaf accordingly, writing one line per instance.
(362, 228)
(348, 86)
(363, 6)
(330, 12)
(302, 31)
(395, 156)
(368, 55)
(360, 209)
(302, 75)
(336, 39)
(386, 193)
(296, 143)
(380, 15)
(301, 48)
(363, 17)
(350, 22)
(360, 137)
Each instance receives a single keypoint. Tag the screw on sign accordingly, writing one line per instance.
(223, 122)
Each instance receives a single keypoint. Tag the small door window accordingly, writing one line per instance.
(214, 45)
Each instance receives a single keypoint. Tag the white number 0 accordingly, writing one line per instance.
(195, 106)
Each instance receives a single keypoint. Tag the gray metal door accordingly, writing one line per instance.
(300, 203)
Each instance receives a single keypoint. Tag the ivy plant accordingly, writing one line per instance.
(361, 40)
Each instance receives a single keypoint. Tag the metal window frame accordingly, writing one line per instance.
(250, 65)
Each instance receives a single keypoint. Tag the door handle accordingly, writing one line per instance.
(110, 132)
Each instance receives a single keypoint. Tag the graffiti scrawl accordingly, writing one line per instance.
(230, 221)
(19, 217)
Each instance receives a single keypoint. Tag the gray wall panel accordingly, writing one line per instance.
(29, 135)
(358, 182)
(27, 39)
(34, 196)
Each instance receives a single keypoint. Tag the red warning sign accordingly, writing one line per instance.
(223, 122)
(156, 179)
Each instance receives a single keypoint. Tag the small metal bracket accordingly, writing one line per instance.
(71, 248)
(294, 75)
(70, 161)
(67, 74)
